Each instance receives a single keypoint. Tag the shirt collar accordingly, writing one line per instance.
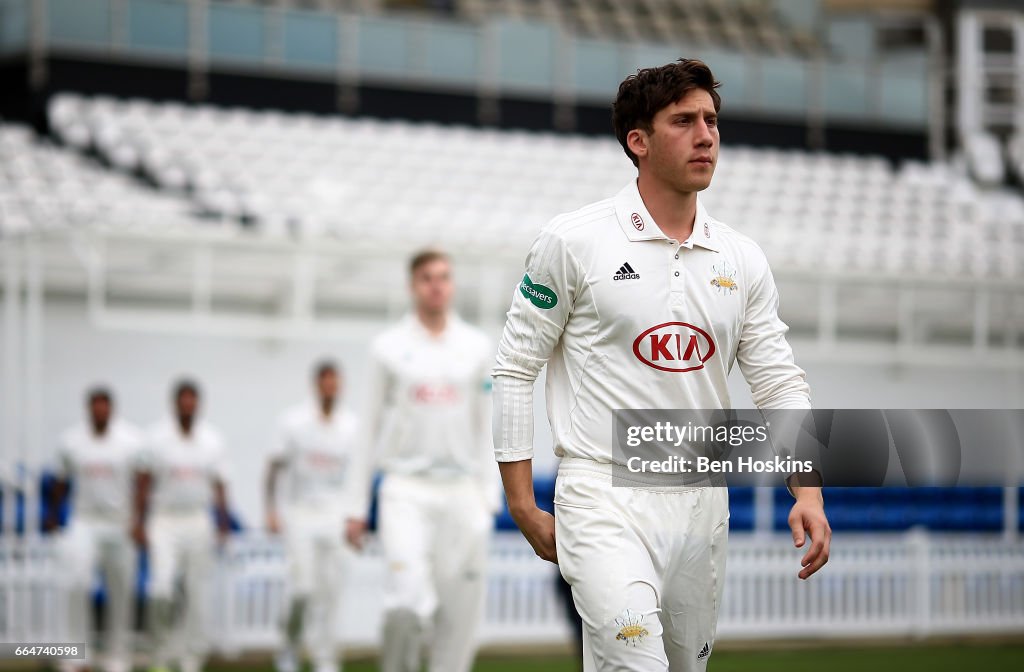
(637, 223)
(414, 324)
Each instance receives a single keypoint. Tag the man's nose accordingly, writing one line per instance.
(703, 136)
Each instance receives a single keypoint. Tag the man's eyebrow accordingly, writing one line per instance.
(683, 114)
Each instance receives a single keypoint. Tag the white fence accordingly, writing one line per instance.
(875, 585)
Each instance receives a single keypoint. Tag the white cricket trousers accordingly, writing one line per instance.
(435, 536)
(646, 566)
(92, 542)
(180, 549)
(317, 566)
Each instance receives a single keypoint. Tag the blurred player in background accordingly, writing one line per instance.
(606, 289)
(428, 429)
(180, 491)
(98, 457)
(314, 446)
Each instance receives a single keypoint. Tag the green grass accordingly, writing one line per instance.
(909, 658)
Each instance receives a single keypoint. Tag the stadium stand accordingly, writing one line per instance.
(44, 187)
(301, 174)
(744, 25)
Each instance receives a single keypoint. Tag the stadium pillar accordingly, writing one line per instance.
(764, 509)
(11, 410)
(198, 49)
(37, 44)
(1011, 511)
(30, 457)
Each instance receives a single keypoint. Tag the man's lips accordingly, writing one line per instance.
(701, 159)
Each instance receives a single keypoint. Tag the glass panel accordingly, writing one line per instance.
(158, 25)
(13, 24)
(851, 38)
(846, 90)
(783, 85)
(904, 97)
(526, 56)
(596, 67)
(311, 39)
(646, 56)
(383, 46)
(80, 21)
(236, 32)
(452, 53)
(733, 71)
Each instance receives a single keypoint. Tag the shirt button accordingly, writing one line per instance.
(677, 274)
(677, 256)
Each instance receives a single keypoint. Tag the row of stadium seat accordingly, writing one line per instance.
(308, 175)
(44, 187)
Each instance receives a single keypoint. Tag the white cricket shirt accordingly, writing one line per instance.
(625, 317)
(101, 467)
(428, 404)
(184, 468)
(316, 452)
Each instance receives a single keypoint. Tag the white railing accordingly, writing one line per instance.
(875, 586)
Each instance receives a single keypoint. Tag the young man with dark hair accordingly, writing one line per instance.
(428, 422)
(646, 564)
(312, 452)
(98, 456)
(182, 475)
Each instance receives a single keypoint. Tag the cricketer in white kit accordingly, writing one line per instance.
(315, 442)
(428, 422)
(643, 300)
(180, 510)
(97, 459)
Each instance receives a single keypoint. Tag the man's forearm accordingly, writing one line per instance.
(270, 487)
(141, 504)
(517, 479)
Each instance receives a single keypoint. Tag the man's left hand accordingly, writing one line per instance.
(807, 519)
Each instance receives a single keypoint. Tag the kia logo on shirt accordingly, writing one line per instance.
(435, 394)
(638, 221)
(677, 347)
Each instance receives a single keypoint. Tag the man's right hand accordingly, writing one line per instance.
(139, 534)
(273, 522)
(355, 532)
(538, 526)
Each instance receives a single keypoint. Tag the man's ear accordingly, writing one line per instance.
(636, 140)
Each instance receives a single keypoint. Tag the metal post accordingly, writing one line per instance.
(32, 445)
(488, 107)
(937, 117)
(1011, 511)
(564, 94)
(37, 43)
(11, 406)
(347, 67)
(981, 319)
(198, 49)
(764, 509)
(828, 316)
(816, 103)
(968, 73)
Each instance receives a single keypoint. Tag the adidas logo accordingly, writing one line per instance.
(626, 272)
(704, 652)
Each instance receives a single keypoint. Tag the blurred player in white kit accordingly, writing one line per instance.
(313, 453)
(98, 457)
(428, 429)
(181, 477)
